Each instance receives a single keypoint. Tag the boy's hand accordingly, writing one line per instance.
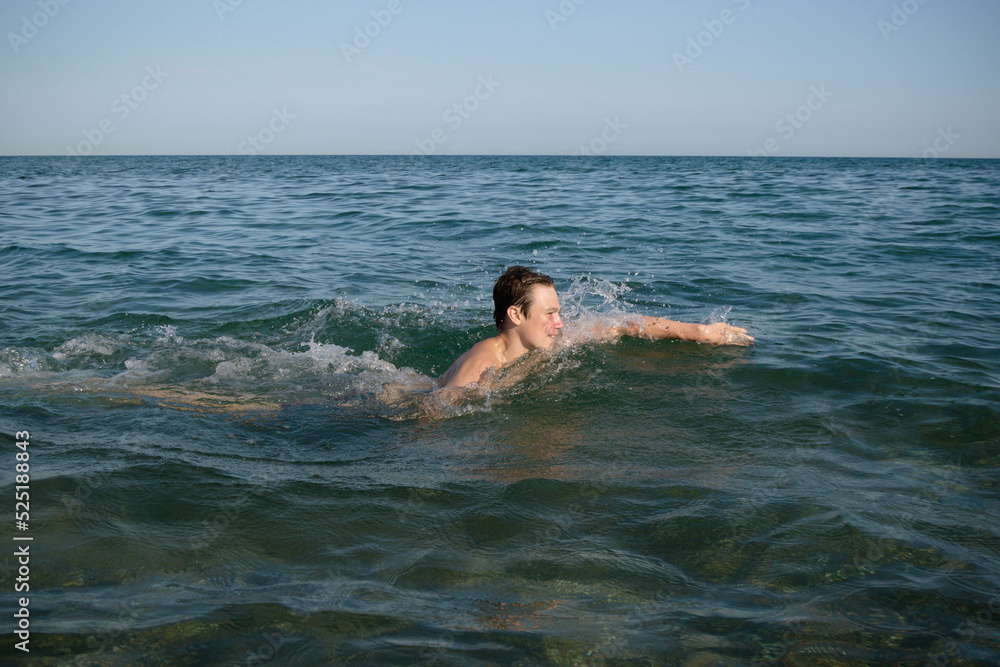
(721, 333)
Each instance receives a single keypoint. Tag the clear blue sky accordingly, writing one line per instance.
(714, 77)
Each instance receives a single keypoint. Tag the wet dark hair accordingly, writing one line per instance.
(513, 289)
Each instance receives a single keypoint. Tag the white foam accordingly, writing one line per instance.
(18, 362)
(225, 370)
(167, 335)
(254, 362)
(87, 344)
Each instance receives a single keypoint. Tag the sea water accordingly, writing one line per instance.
(237, 456)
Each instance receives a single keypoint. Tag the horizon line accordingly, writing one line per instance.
(535, 155)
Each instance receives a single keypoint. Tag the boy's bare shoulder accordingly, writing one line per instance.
(469, 367)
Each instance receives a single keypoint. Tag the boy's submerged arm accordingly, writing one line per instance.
(466, 373)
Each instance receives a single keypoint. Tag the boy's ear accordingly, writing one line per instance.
(514, 315)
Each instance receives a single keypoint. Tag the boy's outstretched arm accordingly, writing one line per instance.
(719, 333)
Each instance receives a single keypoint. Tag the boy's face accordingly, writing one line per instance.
(541, 326)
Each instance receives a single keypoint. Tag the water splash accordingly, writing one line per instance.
(298, 362)
(718, 315)
(586, 294)
(23, 362)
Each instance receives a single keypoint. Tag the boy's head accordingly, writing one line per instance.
(514, 288)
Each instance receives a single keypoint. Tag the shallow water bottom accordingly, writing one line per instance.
(683, 524)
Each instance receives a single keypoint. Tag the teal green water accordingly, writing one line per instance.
(224, 366)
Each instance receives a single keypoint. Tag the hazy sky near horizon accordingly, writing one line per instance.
(900, 78)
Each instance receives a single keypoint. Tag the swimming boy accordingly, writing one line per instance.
(526, 310)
